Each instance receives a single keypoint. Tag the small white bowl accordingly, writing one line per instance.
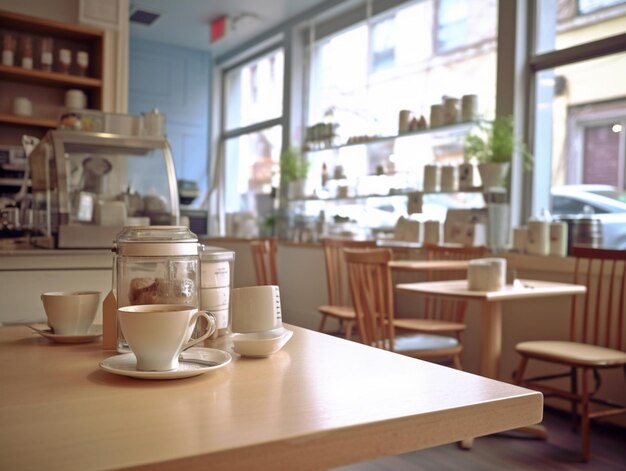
(260, 344)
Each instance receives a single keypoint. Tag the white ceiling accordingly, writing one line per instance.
(186, 22)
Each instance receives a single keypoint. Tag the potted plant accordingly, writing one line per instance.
(492, 145)
(293, 172)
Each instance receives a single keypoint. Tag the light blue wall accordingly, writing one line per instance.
(176, 81)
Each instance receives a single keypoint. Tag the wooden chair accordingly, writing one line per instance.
(442, 316)
(597, 339)
(264, 258)
(372, 291)
(339, 305)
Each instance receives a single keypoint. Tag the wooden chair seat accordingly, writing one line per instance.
(437, 344)
(572, 353)
(428, 325)
(345, 313)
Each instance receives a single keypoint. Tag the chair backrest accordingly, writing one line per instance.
(336, 274)
(264, 258)
(599, 317)
(371, 287)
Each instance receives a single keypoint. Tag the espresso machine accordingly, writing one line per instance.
(87, 186)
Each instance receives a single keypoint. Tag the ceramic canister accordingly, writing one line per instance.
(432, 232)
(449, 178)
(432, 178)
(538, 237)
(558, 239)
(436, 116)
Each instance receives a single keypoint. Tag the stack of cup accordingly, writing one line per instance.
(215, 285)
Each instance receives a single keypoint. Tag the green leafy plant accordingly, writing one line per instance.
(494, 141)
(293, 166)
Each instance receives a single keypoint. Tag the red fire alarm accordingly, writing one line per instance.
(219, 28)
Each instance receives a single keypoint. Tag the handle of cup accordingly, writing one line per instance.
(211, 327)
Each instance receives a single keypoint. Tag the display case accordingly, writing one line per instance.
(87, 186)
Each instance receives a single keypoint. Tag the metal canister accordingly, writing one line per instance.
(582, 231)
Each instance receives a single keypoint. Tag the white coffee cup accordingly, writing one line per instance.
(255, 309)
(158, 333)
(70, 313)
(22, 106)
(75, 99)
(486, 274)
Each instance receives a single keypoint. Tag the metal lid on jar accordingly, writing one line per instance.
(151, 241)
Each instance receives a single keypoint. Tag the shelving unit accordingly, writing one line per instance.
(391, 192)
(46, 89)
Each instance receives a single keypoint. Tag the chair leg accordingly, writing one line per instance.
(584, 415)
(349, 325)
(519, 373)
(456, 361)
(322, 323)
(574, 387)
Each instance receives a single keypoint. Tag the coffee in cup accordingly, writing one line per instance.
(158, 333)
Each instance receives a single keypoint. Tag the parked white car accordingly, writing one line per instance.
(605, 203)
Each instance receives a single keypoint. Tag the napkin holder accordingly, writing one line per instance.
(486, 274)
(109, 321)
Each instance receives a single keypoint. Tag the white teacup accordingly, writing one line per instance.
(70, 312)
(158, 333)
(256, 309)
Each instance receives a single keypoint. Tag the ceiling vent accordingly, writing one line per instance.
(144, 17)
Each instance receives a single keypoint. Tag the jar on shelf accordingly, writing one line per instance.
(47, 54)
(26, 51)
(82, 61)
(65, 60)
(8, 49)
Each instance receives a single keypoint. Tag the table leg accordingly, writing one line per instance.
(491, 343)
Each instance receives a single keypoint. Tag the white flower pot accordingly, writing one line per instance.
(493, 174)
(295, 189)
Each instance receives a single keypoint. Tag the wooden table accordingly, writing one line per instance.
(491, 329)
(428, 265)
(320, 402)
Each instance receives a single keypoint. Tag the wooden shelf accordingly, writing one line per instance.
(47, 89)
(27, 121)
(41, 77)
(446, 130)
(30, 24)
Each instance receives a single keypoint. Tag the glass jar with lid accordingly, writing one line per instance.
(155, 265)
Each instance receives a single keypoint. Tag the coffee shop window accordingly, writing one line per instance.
(580, 114)
(252, 139)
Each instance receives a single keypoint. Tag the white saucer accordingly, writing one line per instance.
(260, 344)
(126, 363)
(94, 333)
